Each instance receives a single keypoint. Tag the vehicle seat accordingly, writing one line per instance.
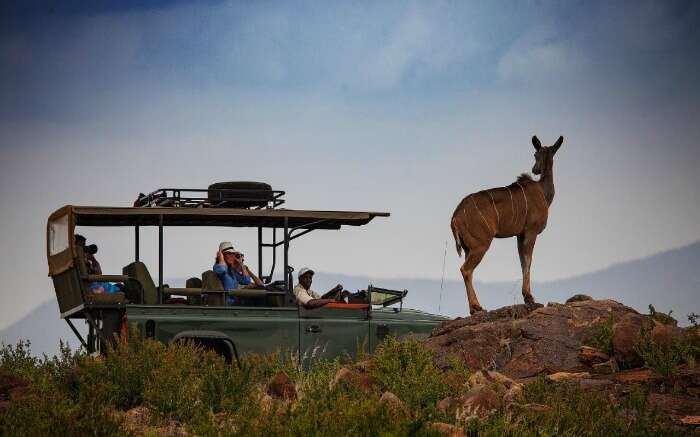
(194, 283)
(139, 271)
(211, 281)
(90, 297)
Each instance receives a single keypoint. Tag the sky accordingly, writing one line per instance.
(400, 106)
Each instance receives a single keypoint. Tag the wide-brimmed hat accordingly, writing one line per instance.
(226, 246)
(303, 271)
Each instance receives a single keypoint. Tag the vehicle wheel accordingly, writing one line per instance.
(242, 194)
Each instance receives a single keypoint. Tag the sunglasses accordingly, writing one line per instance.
(235, 254)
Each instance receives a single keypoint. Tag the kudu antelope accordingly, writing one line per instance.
(520, 209)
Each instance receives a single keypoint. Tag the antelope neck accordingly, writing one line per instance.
(546, 180)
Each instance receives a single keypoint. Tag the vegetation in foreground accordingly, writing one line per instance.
(149, 388)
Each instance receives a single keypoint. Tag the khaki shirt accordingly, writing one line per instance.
(303, 295)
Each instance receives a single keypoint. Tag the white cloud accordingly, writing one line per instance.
(540, 56)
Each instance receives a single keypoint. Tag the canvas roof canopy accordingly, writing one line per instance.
(267, 218)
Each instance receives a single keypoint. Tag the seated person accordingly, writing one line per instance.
(94, 268)
(308, 298)
(233, 272)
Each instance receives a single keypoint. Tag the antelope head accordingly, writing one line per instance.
(544, 156)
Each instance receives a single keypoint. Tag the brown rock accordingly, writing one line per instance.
(393, 402)
(281, 387)
(349, 377)
(606, 368)
(590, 356)
(594, 384)
(447, 429)
(665, 335)
(136, 419)
(567, 376)
(635, 376)
(625, 336)
(674, 405)
(505, 387)
(578, 298)
(690, 420)
(521, 342)
(480, 401)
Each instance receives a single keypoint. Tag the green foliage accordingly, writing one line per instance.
(665, 357)
(84, 395)
(601, 336)
(406, 368)
(661, 316)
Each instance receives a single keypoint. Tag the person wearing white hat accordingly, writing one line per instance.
(232, 271)
(310, 299)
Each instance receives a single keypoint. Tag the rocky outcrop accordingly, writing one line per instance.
(521, 341)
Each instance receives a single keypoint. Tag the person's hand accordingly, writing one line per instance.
(220, 256)
(246, 270)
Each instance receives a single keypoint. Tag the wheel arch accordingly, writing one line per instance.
(214, 340)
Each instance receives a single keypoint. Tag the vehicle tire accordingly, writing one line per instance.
(251, 194)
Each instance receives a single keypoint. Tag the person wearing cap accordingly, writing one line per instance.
(310, 299)
(232, 271)
(93, 267)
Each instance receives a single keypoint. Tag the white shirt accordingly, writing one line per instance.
(303, 295)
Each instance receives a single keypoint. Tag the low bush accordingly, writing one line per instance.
(601, 336)
(665, 358)
(183, 386)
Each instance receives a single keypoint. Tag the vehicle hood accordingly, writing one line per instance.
(407, 314)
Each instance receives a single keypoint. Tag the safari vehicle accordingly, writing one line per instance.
(269, 320)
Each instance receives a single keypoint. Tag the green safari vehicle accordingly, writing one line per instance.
(269, 318)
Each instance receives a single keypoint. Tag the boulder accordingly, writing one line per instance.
(281, 387)
(578, 298)
(520, 341)
(349, 377)
(391, 401)
(508, 389)
(567, 376)
(665, 334)
(606, 368)
(590, 356)
(480, 401)
(635, 376)
(625, 336)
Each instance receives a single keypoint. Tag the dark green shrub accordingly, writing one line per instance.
(665, 358)
(601, 336)
(406, 368)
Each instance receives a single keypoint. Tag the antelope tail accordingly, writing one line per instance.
(458, 238)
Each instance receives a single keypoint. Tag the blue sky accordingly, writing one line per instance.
(399, 106)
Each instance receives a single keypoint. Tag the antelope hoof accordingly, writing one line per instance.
(529, 300)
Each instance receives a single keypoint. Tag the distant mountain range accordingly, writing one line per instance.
(669, 280)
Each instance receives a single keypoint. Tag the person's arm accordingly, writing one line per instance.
(333, 291)
(317, 303)
(220, 267)
(256, 281)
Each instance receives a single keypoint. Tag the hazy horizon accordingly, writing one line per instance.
(394, 106)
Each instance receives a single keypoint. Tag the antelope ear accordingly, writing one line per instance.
(536, 142)
(557, 145)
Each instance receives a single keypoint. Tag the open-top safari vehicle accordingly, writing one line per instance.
(270, 318)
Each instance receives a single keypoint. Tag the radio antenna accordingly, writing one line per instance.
(442, 281)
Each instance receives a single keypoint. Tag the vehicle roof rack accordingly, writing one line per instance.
(222, 195)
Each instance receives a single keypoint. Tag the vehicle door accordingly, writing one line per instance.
(334, 330)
